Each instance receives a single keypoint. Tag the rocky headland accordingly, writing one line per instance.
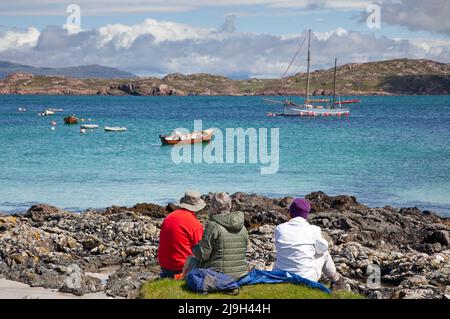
(391, 77)
(51, 248)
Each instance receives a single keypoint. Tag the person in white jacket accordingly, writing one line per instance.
(301, 249)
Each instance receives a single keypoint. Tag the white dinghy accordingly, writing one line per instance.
(115, 129)
(89, 126)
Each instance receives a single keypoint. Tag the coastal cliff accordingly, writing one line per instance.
(52, 248)
(392, 77)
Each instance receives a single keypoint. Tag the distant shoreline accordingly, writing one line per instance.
(222, 95)
(392, 77)
(81, 210)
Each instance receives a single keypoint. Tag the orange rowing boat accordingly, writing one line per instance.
(71, 120)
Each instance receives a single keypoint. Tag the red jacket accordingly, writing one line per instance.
(180, 232)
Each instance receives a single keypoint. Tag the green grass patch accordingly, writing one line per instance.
(177, 289)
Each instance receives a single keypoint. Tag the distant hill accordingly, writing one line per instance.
(78, 72)
(392, 77)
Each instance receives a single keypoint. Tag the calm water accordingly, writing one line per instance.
(391, 150)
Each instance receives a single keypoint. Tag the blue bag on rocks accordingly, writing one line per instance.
(207, 280)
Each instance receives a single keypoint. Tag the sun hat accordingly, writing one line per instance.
(300, 208)
(192, 201)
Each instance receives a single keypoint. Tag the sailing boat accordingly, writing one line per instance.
(316, 107)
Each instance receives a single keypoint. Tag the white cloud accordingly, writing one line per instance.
(13, 39)
(436, 47)
(326, 35)
(161, 47)
(123, 36)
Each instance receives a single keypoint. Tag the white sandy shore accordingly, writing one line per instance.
(16, 290)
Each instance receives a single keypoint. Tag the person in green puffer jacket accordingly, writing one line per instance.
(223, 247)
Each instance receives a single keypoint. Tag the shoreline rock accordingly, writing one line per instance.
(48, 247)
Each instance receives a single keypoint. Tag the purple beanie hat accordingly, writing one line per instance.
(300, 208)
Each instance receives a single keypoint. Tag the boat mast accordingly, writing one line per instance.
(307, 70)
(334, 85)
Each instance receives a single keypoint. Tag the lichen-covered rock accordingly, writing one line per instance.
(447, 292)
(420, 293)
(321, 202)
(259, 210)
(126, 281)
(78, 283)
(151, 210)
(439, 236)
(39, 277)
(42, 212)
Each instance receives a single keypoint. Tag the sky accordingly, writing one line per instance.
(236, 38)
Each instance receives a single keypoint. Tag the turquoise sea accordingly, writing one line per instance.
(390, 151)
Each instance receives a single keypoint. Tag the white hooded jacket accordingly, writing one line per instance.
(298, 244)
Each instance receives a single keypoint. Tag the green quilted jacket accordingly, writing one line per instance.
(224, 245)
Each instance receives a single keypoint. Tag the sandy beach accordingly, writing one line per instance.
(16, 290)
(10, 289)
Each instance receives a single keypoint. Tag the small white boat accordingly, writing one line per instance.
(115, 129)
(89, 126)
(46, 113)
(56, 110)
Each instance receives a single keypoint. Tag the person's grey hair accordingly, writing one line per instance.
(221, 203)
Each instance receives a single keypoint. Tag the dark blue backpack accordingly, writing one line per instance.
(207, 280)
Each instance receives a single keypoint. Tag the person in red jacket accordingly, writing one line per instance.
(180, 232)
